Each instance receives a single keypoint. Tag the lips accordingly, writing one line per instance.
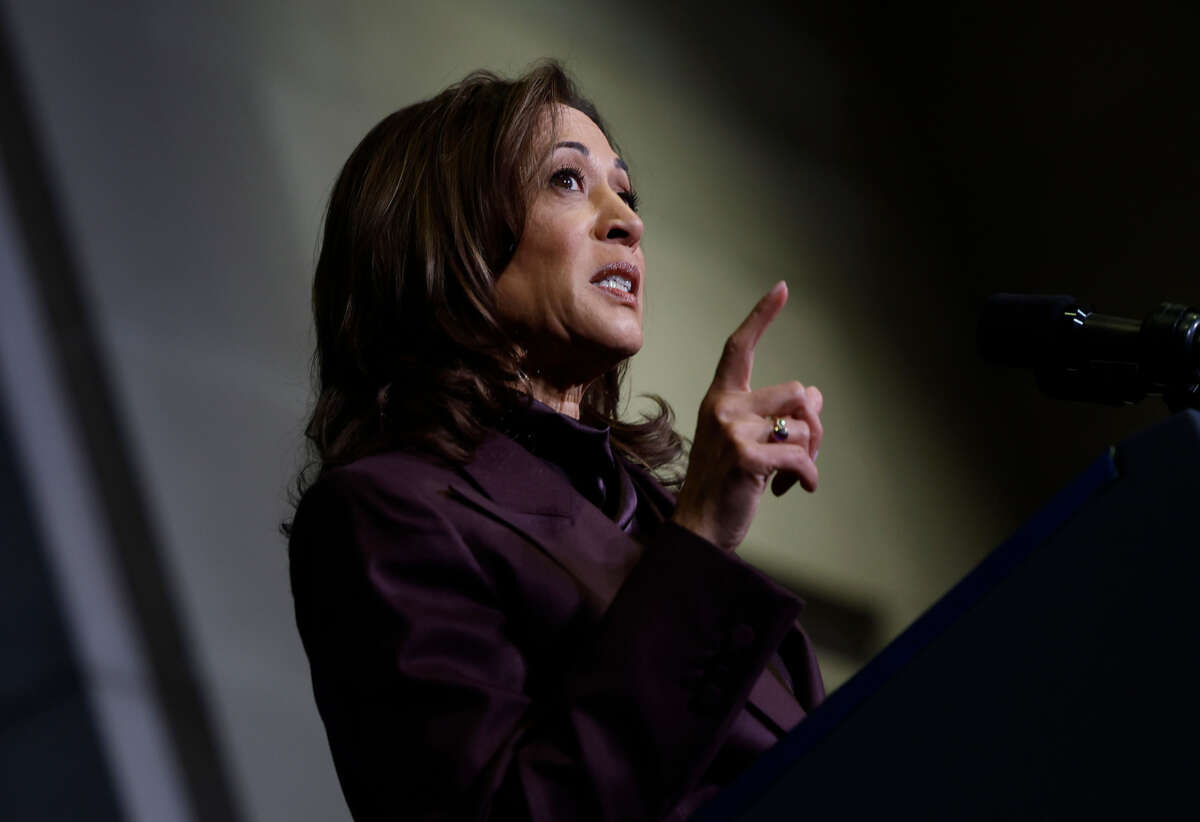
(623, 279)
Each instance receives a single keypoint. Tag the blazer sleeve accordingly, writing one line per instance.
(426, 694)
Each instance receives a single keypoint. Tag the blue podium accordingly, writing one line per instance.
(1057, 680)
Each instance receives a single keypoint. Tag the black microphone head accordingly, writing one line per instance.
(1021, 330)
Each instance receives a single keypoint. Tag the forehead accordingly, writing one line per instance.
(572, 125)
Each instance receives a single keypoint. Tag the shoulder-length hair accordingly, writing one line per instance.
(425, 214)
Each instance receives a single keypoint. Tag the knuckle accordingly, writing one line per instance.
(815, 397)
(795, 390)
(802, 433)
(714, 405)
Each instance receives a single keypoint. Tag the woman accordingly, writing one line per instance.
(506, 614)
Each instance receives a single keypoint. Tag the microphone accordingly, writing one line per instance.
(1077, 354)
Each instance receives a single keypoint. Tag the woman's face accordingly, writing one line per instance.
(572, 292)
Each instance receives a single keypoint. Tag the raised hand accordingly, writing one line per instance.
(734, 453)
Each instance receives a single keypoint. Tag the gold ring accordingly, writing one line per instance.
(779, 431)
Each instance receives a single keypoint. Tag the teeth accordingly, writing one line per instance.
(614, 281)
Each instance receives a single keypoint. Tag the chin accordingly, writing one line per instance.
(625, 345)
(599, 356)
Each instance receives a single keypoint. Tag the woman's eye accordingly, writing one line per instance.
(631, 199)
(568, 178)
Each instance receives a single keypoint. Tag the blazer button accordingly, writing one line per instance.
(709, 699)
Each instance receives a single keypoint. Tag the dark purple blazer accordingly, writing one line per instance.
(485, 643)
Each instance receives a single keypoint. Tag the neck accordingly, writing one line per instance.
(563, 400)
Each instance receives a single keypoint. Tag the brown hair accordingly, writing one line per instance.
(425, 214)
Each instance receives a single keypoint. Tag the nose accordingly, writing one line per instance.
(618, 222)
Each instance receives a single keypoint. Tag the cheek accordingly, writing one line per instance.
(529, 296)
(515, 296)
(551, 244)
(551, 264)
(540, 288)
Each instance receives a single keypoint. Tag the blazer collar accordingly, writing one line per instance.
(518, 489)
(651, 489)
(513, 478)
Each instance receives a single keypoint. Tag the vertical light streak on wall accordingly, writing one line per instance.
(141, 688)
(118, 689)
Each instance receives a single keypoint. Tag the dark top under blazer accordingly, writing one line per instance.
(485, 643)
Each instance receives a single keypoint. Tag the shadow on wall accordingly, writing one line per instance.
(1031, 148)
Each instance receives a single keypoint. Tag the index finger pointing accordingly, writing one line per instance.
(737, 360)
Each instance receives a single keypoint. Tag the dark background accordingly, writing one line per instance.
(1021, 147)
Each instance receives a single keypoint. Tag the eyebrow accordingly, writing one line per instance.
(582, 149)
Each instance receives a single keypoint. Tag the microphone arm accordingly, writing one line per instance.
(1077, 354)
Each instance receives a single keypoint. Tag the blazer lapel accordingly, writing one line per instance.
(516, 488)
(511, 485)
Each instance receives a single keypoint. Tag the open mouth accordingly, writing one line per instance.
(618, 282)
(619, 279)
